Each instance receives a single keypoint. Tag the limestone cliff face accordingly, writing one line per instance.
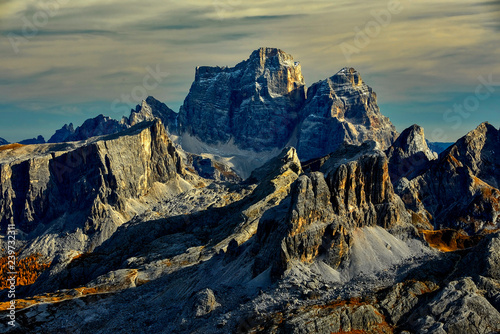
(341, 109)
(362, 192)
(86, 186)
(459, 190)
(255, 104)
(409, 155)
(352, 190)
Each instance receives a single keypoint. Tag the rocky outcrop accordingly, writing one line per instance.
(84, 189)
(352, 191)
(103, 125)
(62, 135)
(203, 303)
(459, 189)
(463, 302)
(211, 169)
(362, 191)
(409, 155)
(341, 109)
(150, 109)
(478, 151)
(255, 104)
(33, 141)
(402, 298)
(339, 317)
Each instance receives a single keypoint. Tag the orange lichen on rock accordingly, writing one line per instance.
(27, 270)
(449, 240)
(55, 297)
(10, 147)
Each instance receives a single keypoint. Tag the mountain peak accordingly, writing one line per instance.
(409, 154)
(412, 140)
(347, 75)
(255, 104)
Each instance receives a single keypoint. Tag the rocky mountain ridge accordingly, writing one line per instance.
(295, 241)
(368, 234)
(103, 125)
(261, 104)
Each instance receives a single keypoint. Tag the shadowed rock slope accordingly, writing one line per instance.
(324, 246)
(460, 189)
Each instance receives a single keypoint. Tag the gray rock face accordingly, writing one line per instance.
(3, 141)
(203, 302)
(84, 188)
(409, 155)
(341, 109)
(256, 103)
(485, 261)
(478, 151)
(62, 135)
(362, 191)
(33, 141)
(350, 317)
(326, 208)
(463, 302)
(465, 197)
(150, 109)
(403, 297)
(103, 125)
(260, 105)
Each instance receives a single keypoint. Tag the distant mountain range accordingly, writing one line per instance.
(257, 209)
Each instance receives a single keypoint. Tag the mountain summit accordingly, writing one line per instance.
(341, 109)
(256, 104)
(260, 105)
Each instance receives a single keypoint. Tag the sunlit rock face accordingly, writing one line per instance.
(256, 103)
(351, 190)
(341, 109)
(84, 186)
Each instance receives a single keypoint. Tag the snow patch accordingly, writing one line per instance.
(242, 161)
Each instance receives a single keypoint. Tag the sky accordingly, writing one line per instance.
(433, 63)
